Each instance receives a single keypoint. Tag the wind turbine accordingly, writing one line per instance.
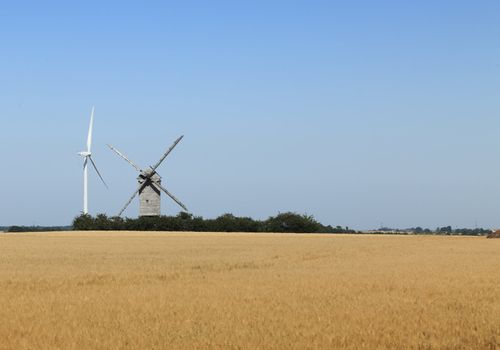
(87, 155)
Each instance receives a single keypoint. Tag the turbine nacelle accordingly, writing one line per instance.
(84, 154)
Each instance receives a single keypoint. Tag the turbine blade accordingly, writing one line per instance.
(89, 137)
(123, 156)
(131, 198)
(167, 152)
(98, 173)
(170, 195)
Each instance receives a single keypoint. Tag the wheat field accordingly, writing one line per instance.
(124, 290)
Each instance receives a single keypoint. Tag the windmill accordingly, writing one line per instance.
(149, 186)
(87, 156)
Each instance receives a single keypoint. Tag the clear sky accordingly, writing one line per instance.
(361, 113)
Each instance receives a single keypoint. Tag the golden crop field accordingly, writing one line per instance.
(111, 290)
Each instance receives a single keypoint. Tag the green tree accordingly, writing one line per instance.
(84, 222)
(292, 222)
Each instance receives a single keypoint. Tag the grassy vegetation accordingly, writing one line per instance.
(111, 290)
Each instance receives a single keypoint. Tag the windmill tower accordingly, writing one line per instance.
(149, 186)
(87, 156)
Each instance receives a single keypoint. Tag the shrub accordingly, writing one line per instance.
(84, 222)
(292, 222)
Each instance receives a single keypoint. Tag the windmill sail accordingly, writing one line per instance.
(149, 188)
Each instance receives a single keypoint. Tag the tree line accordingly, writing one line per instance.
(17, 228)
(448, 230)
(283, 222)
(445, 230)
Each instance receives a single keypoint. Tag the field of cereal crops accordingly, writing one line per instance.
(111, 290)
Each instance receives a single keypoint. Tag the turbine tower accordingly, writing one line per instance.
(149, 186)
(87, 156)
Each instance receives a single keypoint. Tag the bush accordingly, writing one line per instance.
(292, 222)
(84, 222)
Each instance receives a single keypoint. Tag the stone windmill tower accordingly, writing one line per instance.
(149, 187)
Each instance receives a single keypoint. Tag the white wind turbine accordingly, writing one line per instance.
(87, 155)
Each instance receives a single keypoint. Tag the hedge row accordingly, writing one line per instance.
(283, 222)
(17, 228)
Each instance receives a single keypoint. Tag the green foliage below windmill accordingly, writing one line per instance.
(283, 222)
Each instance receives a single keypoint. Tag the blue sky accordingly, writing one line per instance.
(361, 113)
